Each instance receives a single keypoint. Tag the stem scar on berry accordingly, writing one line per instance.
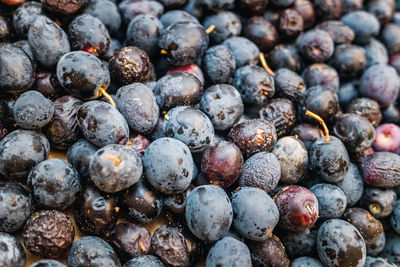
(321, 121)
(106, 95)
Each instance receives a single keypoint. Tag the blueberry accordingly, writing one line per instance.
(48, 234)
(190, 126)
(177, 89)
(261, 170)
(340, 33)
(347, 93)
(130, 9)
(288, 84)
(322, 75)
(285, 56)
(24, 17)
(96, 212)
(107, 12)
(377, 247)
(364, 25)
(208, 213)
(290, 24)
(48, 41)
(174, 16)
(90, 250)
(16, 69)
(307, 133)
(219, 64)
(349, 60)
(352, 185)
(139, 240)
(380, 169)
(391, 250)
(253, 136)
(227, 24)
(306, 262)
(47, 263)
(390, 37)
(269, 252)
(379, 202)
(88, 33)
(143, 32)
(68, 7)
(229, 252)
(376, 53)
(379, 261)
(367, 108)
(102, 124)
(142, 201)
(12, 252)
(244, 51)
(20, 151)
(168, 165)
(63, 130)
(261, 32)
(395, 217)
(180, 50)
(16, 205)
(254, 221)
(282, 113)
(82, 75)
(32, 110)
(316, 45)
(223, 104)
(50, 174)
(115, 167)
(79, 156)
(380, 83)
(146, 260)
(138, 105)
(254, 84)
(340, 244)
(298, 244)
(331, 201)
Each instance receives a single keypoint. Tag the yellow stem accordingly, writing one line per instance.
(164, 52)
(210, 29)
(321, 121)
(265, 65)
(106, 95)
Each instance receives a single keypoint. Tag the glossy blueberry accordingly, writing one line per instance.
(82, 75)
(95, 212)
(91, 250)
(254, 222)
(177, 89)
(285, 56)
(138, 105)
(48, 41)
(208, 212)
(142, 201)
(339, 243)
(102, 124)
(229, 252)
(367, 108)
(269, 252)
(20, 151)
(128, 65)
(32, 110)
(261, 32)
(168, 165)
(331, 200)
(15, 206)
(12, 252)
(349, 60)
(244, 51)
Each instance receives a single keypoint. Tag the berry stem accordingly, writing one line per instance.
(265, 65)
(106, 95)
(210, 29)
(164, 52)
(321, 121)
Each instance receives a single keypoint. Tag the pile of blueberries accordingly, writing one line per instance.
(265, 132)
